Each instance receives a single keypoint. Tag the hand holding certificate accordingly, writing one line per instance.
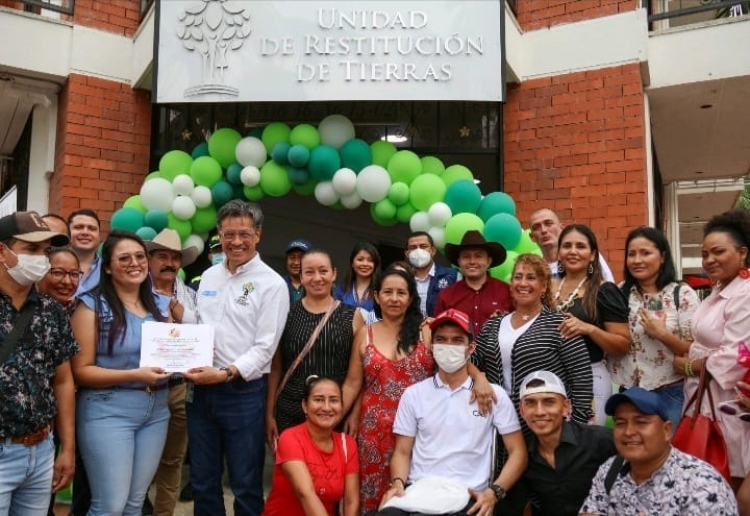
(176, 348)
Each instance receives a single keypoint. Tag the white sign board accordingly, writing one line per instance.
(9, 202)
(304, 50)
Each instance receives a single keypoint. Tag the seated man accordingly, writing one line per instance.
(439, 434)
(656, 478)
(564, 455)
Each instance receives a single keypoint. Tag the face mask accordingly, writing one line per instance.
(29, 269)
(217, 258)
(449, 358)
(419, 258)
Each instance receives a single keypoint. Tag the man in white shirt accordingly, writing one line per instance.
(247, 303)
(440, 434)
(545, 231)
(430, 277)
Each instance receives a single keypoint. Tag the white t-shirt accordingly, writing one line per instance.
(507, 336)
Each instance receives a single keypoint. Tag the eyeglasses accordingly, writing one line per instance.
(244, 234)
(59, 274)
(125, 259)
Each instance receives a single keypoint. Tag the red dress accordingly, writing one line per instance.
(385, 382)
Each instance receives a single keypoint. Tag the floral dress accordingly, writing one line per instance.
(385, 382)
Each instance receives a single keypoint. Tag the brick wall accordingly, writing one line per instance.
(539, 14)
(118, 16)
(576, 143)
(102, 151)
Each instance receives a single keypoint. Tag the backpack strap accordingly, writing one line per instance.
(614, 469)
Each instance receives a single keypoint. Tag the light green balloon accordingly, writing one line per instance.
(459, 224)
(135, 202)
(275, 132)
(404, 213)
(426, 190)
(404, 166)
(375, 213)
(221, 145)
(274, 179)
(253, 193)
(181, 274)
(385, 209)
(183, 227)
(173, 163)
(206, 171)
(432, 165)
(527, 245)
(505, 269)
(456, 173)
(305, 134)
(398, 194)
(204, 220)
(307, 188)
(154, 175)
(382, 152)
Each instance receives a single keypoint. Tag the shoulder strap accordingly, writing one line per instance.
(614, 470)
(24, 318)
(307, 348)
(343, 445)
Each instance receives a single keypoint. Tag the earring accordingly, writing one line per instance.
(744, 273)
(590, 270)
(560, 268)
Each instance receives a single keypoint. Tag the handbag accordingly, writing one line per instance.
(700, 435)
(9, 343)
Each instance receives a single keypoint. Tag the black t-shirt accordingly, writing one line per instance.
(611, 306)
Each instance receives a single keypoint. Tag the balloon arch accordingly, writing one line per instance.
(341, 171)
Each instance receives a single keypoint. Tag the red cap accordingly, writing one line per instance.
(457, 317)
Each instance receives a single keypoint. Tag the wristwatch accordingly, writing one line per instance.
(499, 491)
(230, 374)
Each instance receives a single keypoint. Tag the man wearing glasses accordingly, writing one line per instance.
(37, 393)
(247, 302)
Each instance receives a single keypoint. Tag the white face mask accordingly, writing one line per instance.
(217, 258)
(450, 358)
(419, 257)
(29, 269)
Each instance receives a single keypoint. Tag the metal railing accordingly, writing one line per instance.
(684, 12)
(58, 6)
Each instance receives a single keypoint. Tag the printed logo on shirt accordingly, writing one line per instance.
(442, 283)
(208, 293)
(247, 289)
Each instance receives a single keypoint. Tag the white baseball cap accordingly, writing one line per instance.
(551, 383)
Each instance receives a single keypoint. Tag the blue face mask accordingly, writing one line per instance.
(217, 258)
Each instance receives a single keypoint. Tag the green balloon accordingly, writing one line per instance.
(274, 179)
(154, 175)
(127, 219)
(398, 194)
(183, 227)
(382, 152)
(404, 166)
(305, 134)
(385, 209)
(298, 176)
(456, 173)
(404, 213)
(221, 192)
(135, 202)
(221, 145)
(503, 229)
(204, 220)
(173, 163)
(274, 133)
(238, 191)
(504, 271)
(376, 214)
(337, 206)
(298, 156)
(254, 193)
(459, 224)
(233, 174)
(307, 188)
(426, 190)
(206, 171)
(356, 155)
(324, 162)
(463, 196)
(432, 165)
(146, 233)
(280, 153)
(527, 245)
(156, 219)
(494, 203)
(200, 150)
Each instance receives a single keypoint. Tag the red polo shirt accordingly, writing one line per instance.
(480, 304)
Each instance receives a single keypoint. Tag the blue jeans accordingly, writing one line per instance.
(672, 397)
(26, 478)
(226, 421)
(121, 433)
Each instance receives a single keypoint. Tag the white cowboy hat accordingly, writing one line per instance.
(169, 239)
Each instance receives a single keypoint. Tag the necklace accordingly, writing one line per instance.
(561, 307)
(526, 316)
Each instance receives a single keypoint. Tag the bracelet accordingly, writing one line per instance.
(689, 369)
(399, 479)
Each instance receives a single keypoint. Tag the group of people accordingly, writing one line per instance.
(416, 389)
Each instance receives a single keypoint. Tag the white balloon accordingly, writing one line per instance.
(373, 183)
(250, 176)
(250, 151)
(351, 201)
(202, 197)
(438, 236)
(325, 194)
(194, 241)
(439, 213)
(158, 194)
(183, 184)
(419, 222)
(336, 130)
(183, 207)
(345, 181)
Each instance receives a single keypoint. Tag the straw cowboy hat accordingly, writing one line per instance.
(169, 240)
(474, 240)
